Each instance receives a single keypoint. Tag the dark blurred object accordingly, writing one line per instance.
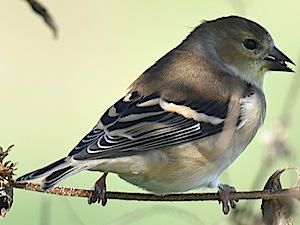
(42, 11)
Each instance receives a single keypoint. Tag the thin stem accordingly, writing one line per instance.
(75, 192)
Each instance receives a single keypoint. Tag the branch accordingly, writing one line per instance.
(276, 205)
(75, 192)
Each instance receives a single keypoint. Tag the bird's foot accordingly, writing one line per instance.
(224, 191)
(99, 191)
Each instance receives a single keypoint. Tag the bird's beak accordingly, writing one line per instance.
(276, 61)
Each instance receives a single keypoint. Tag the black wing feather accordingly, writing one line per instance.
(132, 128)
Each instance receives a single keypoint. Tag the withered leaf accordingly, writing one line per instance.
(6, 190)
(278, 211)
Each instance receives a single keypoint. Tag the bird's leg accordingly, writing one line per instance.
(224, 191)
(99, 191)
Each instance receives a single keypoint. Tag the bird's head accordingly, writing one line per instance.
(244, 47)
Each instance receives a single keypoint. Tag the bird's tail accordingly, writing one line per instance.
(52, 173)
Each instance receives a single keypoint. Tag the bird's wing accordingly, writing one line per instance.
(136, 124)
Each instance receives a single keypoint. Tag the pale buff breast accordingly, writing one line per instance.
(192, 165)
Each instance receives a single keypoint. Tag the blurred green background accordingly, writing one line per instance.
(52, 92)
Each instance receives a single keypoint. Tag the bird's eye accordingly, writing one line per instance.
(250, 44)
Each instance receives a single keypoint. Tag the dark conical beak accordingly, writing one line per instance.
(276, 61)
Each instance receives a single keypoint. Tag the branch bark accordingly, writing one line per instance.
(277, 202)
(75, 192)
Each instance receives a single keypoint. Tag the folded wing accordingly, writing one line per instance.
(136, 124)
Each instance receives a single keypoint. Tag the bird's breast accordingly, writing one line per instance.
(194, 164)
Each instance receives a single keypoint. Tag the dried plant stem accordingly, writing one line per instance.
(266, 195)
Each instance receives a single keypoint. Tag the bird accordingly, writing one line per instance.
(185, 119)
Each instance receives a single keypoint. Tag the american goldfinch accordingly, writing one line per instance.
(185, 119)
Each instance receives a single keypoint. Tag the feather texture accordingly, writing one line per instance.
(136, 124)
